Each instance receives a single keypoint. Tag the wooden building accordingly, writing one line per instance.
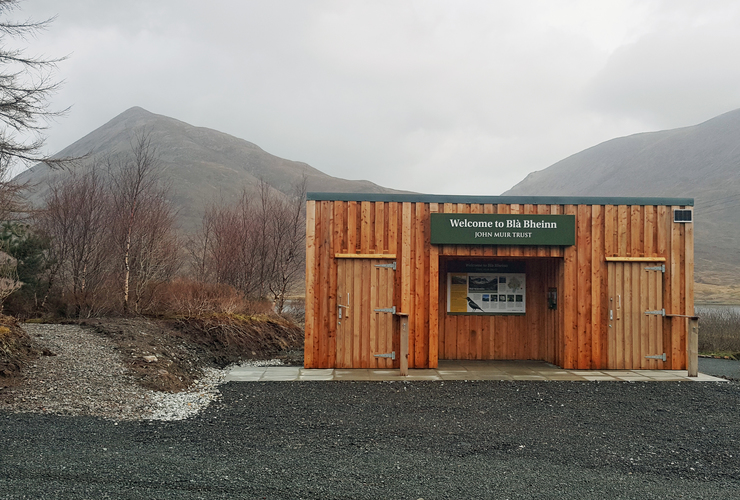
(583, 283)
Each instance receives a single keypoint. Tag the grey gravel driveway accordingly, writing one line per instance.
(726, 368)
(406, 440)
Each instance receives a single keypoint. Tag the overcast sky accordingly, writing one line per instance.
(449, 97)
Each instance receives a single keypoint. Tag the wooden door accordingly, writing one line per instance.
(364, 287)
(635, 339)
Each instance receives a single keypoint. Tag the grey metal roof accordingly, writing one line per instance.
(506, 200)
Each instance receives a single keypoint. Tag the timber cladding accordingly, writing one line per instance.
(367, 254)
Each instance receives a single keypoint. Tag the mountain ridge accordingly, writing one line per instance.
(700, 161)
(205, 166)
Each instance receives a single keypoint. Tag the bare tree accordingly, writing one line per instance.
(76, 218)
(131, 180)
(25, 87)
(155, 249)
(255, 245)
(287, 238)
(141, 210)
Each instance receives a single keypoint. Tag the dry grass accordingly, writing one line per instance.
(708, 293)
(719, 330)
(193, 299)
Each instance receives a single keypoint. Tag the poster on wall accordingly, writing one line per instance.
(486, 288)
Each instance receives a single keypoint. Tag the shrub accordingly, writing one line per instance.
(192, 299)
(719, 329)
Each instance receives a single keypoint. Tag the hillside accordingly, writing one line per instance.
(701, 162)
(204, 166)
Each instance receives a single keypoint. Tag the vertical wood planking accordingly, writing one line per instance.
(649, 231)
(617, 334)
(560, 337)
(625, 299)
(610, 230)
(320, 350)
(637, 313)
(351, 227)
(583, 246)
(366, 231)
(359, 314)
(391, 343)
(433, 297)
(611, 358)
(556, 251)
(350, 327)
(502, 328)
(622, 230)
(598, 289)
(311, 292)
(534, 309)
(421, 288)
(380, 243)
(658, 320)
(570, 302)
(341, 359)
(374, 317)
(448, 208)
(329, 359)
(675, 294)
(405, 258)
(688, 273)
(582, 277)
(636, 228)
(645, 278)
(653, 321)
(405, 274)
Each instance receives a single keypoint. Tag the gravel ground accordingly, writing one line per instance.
(87, 377)
(80, 428)
(342, 440)
(726, 368)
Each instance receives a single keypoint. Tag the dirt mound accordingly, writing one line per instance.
(168, 355)
(16, 351)
(233, 338)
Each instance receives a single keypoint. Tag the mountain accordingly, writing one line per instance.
(700, 162)
(204, 166)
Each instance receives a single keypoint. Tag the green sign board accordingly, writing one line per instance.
(503, 229)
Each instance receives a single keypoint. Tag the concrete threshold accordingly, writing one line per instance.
(463, 370)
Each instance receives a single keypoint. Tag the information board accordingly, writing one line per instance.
(486, 288)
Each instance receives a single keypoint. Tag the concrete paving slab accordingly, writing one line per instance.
(456, 376)
(267, 377)
(242, 378)
(283, 369)
(495, 376)
(316, 371)
(462, 370)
